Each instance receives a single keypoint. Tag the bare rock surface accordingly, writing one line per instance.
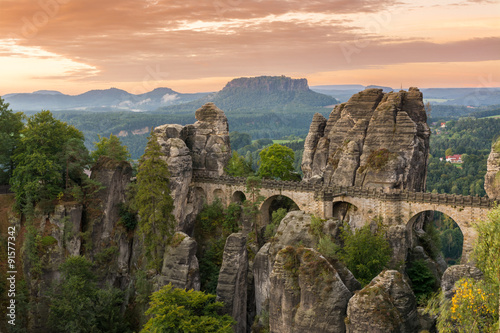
(455, 273)
(307, 294)
(376, 139)
(293, 230)
(492, 177)
(201, 148)
(180, 265)
(387, 304)
(232, 284)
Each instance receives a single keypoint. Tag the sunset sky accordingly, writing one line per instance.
(190, 46)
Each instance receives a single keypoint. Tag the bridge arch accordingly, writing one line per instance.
(218, 194)
(274, 202)
(466, 234)
(238, 196)
(348, 212)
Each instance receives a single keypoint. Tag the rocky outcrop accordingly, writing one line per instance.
(387, 304)
(492, 177)
(110, 244)
(455, 273)
(232, 284)
(307, 294)
(294, 229)
(376, 139)
(180, 265)
(201, 148)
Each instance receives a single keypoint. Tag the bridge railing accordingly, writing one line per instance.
(327, 193)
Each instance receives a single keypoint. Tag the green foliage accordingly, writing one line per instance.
(473, 308)
(180, 311)
(239, 140)
(110, 147)
(238, 166)
(422, 279)
(78, 305)
(488, 239)
(10, 128)
(47, 241)
(32, 248)
(276, 218)
(50, 159)
(364, 253)
(469, 136)
(127, 217)
(213, 225)
(153, 203)
(377, 160)
(276, 162)
(316, 227)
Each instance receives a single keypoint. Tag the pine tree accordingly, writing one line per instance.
(153, 202)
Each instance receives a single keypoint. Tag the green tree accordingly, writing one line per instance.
(448, 152)
(180, 311)
(276, 162)
(43, 159)
(110, 147)
(239, 140)
(365, 253)
(238, 166)
(78, 305)
(153, 202)
(11, 125)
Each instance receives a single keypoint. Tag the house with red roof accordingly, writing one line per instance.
(454, 158)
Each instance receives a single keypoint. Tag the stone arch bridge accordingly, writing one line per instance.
(398, 209)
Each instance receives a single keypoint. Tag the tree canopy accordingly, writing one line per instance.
(180, 311)
(10, 127)
(276, 162)
(110, 147)
(78, 305)
(50, 158)
(153, 202)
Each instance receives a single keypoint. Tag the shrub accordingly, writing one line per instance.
(421, 278)
(364, 253)
(177, 311)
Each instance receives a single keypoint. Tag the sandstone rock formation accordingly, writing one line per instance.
(232, 284)
(387, 304)
(455, 273)
(294, 229)
(307, 294)
(202, 148)
(180, 265)
(110, 247)
(376, 139)
(492, 177)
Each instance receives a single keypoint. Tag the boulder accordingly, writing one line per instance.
(387, 304)
(307, 294)
(232, 284)
(455, 273)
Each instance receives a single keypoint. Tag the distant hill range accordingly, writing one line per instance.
(445, 96)
(272, 93)
(265, 92)
(98, 100)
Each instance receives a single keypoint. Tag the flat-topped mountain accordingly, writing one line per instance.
(269, 92)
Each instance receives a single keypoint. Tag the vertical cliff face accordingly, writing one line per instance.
(492, 177)
(376, 139)
(201, 148)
